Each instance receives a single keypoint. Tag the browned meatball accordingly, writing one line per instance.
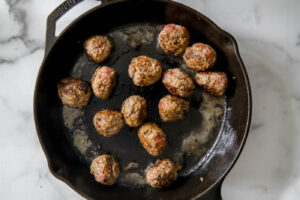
(134, 110)
(98, 48)
(74, 92)
(108, 122)
(214, 83)
(172, 108)
(105, 169)
(199, 57)
(161, 174)
(152, 138)
(144, 71)
(174, 39)
(104, 81)
(178, 82)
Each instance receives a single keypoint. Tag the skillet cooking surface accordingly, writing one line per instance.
(188, 139)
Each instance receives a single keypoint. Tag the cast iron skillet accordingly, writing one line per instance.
(64, 52)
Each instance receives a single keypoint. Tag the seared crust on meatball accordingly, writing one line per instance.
(178, 82)
(174, 39)
(199, 57)
(103, 81)
(161, 174)
(152, 138)
(105, 169)
(98, 48)
(108, 122)
(144, 71)
(172, 108)
(74, 92)
(214, 83)
(134, 110)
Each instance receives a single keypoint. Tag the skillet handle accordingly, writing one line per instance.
(55, 15)
(214, 193)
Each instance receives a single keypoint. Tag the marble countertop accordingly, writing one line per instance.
(268, 34)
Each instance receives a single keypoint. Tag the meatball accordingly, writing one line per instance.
(74, 92)
(178, 82)
(174, 39)
(98, 48)
(144, 71)
(134, 110)
(108, 122)
(161, 174)
(172, 108)
(104, 80)
(152, 138)
(105, 169)
(199, 57)
(214, 83)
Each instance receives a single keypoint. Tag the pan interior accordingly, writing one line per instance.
(189, 140)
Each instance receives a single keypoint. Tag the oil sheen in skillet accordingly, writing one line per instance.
(189, 140)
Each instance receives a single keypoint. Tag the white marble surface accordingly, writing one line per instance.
(268, 34)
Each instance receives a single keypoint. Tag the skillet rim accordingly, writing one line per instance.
(218, 183)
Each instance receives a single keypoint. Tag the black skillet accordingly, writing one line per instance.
(64, 53)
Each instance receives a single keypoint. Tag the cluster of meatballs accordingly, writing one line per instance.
(144, 71)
